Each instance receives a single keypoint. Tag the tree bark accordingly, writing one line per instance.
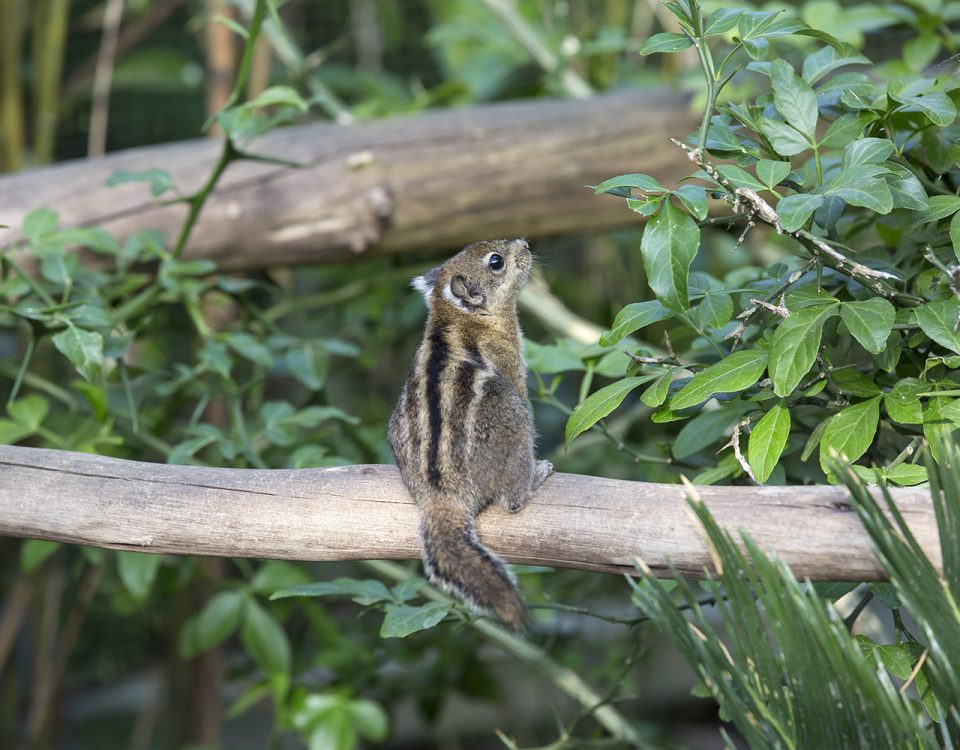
(435, 180)
(363, 512)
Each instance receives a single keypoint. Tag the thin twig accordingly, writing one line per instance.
(744, 317)
(103, 75)
(780, 309)
(738, 454)
(748, 201)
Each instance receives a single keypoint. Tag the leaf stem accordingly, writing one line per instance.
(229, 152)
(706, 62)
(27, 356)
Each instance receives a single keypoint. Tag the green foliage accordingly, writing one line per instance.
(144, 354)
(851, 178)
(782, 663)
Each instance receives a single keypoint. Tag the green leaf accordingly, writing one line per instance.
(83, 348)
(181, 268)
(264, 639)
(694, 199)
(213, 625)
(645, 206)
(12, 432)
(939, 321)
(860, 186)
(158, 179)
(599, 404)
(897, 658)
(279, 96)
(733, 373)
(834, 590)
(643, 182)
(767, 441)
(794, 346)
(903, 401)
(364, 592)
(867, 151)
(632, 318)
(935, 105)
(714, 311)
(850, 432)
(39, 223)
(826, 60)
(721, 21)
(369, 719)
(740, 177)
(308, 364)
(706, 428)
(772, 173)
(669, 245)
(870, 322)
(795, 210)
(907, 475)
(726, 467)
(656, 393)
(667, 41)
(794, 99)
(814, 440)
(937, 427)
(34, 552)
(553, 358)
(906, 188)
(29, 411)
(137, 571)
(277, 574)
(249, 348)
(846, 129)
(401, 619)
(855, 383)
(786, 140)
(939, 207)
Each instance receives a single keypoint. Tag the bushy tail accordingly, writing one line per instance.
(455, 560)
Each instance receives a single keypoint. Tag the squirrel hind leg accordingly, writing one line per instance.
(517, 502)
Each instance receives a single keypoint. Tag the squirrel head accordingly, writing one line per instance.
(483, 279)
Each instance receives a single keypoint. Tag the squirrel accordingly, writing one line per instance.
(462, 430)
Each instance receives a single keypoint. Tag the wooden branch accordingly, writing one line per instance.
(434, 180)
(361, 512)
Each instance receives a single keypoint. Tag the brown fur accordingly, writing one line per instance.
(462, 430)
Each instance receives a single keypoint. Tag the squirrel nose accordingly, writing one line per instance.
(521, 243)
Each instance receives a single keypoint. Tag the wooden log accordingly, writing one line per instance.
(434, 180)
(363, 512)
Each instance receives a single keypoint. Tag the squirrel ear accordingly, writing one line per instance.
(424, 284)
(464, 294)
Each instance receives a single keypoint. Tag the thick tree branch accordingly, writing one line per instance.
(435, 180)
(363, 512)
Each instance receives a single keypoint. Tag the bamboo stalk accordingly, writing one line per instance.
(11, 95)
(50, 20)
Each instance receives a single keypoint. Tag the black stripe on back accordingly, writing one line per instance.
(412, 407)
(439, 354)
(466, 372)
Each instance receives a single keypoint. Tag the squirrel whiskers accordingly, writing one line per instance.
(462, 430)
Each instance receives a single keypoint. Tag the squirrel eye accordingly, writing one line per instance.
(495, 262)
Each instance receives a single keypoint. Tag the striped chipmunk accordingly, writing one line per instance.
(462, 430)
